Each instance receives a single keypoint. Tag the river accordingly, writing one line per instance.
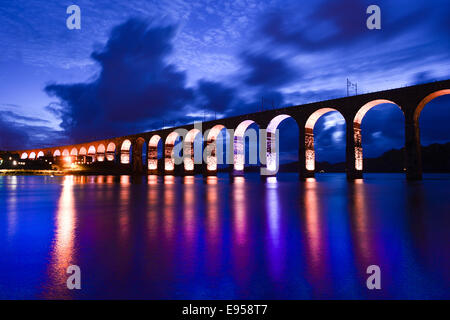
(171, 237)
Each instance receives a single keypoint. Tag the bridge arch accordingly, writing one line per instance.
(153, 144)
(57, 153)
(92, 152)
(66, 153)
(357, 136)
(101, 152)
(426, 100)
(212, 159)
(189, 149)
(40, 154)
(272, 143)
(24, 155)
(169, 162)
(32, 156)
(83, 151)
(239, 145)
(310, 154)
(74, 152)
(125, 152)
(111, 151)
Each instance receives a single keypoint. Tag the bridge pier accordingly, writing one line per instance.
(413, 156)
(303, 142)
(353, 152)
(207, 172)
(137, 165)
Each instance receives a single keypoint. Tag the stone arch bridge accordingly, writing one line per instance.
(411, 100)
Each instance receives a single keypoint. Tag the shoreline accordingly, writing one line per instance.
(30, 172)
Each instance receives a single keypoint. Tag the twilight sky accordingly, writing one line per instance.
(135, 63)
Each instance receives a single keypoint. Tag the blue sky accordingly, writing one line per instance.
(134, 63)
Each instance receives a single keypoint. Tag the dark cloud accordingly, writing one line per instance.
(137, 89)
(423, 77)
(136, 85)
(18, 135)
(339, 24)
(14, 116)
(264, 70)
(11, 135)
(215, 96)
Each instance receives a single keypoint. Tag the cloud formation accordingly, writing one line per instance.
(268, 72)
(137, 88)
(135, 85)
(17, 130)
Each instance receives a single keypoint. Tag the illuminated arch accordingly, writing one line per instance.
(91, 152)
(188, 149)
(239, 144)
(211, 147)
(357, 129)
(74, 152)
(32, 156)
(427, 99)
(272, 145)
(24, 156)
(83, 151)
(153, 152)
(310, 155)
(66, 153)
(101, 153)
(169, 163)
(125, 152)
(369, 105)
(57, 153)
(110, 151)
(40, 154)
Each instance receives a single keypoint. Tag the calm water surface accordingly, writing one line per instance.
(224, 238)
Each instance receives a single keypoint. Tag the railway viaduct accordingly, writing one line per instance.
(411, 100)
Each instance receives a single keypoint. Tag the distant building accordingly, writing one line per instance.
(12, 161)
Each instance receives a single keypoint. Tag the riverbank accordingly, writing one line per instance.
(29, 172)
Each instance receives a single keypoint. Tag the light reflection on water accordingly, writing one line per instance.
(316, 248)
(62, 250)
(221, 237)
(11, 207)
